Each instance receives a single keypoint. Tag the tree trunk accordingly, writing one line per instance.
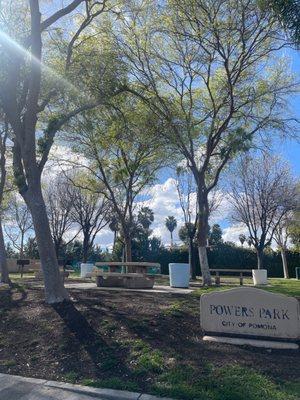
(22, 246)
(191, 259)
(85, 248)
(115, 239)
(171, 239)
(284, 264)
(54, 288)
(202, 231)
(206, 277)
(128, 250)
(57, 248)
(3, 262)
(260, 256)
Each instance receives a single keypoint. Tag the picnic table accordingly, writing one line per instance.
(131, 275)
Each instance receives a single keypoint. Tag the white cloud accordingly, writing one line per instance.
(61, 158)
(231, 234)
(164, 202)
(162, 198)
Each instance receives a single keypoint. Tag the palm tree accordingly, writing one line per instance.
(171, 224)
(242, 239)
(145, 217)
(114, 226)
(249, 241)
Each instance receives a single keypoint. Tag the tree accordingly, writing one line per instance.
(89, 211)
(215, 235)
(145, 217)
(171, 224)
(4, 277)
(121, 160)
(183, 233)
(187, 197)
(294, 226)
(202, 66)
(187, 193)
(18, 223)
(143, 245)
(59, 209)
(288, 14)
(27, 87)
(242, 239)
(249, 242)
(31, 249)
(114, 227)
(10, 252)
(262, 193)
(281, 237)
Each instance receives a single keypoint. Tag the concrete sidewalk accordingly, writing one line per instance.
(156, 288)
(14, 387)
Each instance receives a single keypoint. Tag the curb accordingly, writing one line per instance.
(101, 394)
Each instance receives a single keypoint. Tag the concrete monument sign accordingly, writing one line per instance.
(250, 316)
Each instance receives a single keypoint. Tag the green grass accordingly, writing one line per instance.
(226, 383)
(175, 310)
(7, 363)
(144, 359)
(289, 287)
(71, 376)
(112, 383)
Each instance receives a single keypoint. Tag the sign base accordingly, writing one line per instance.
(268, 344)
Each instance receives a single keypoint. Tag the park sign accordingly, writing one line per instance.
(250, 316)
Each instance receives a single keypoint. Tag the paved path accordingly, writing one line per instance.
(156, 288)
(18, 388)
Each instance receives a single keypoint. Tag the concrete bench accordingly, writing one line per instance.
(126, 280)
(241, 273)
(134, 275)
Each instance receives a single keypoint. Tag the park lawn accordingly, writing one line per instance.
(138, 341)
(288, 287)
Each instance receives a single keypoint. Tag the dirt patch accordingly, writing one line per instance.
(127, 335)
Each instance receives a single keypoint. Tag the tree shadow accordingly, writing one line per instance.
(88, 338)
(7, 299)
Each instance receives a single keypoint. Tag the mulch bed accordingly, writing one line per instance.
(94, 337)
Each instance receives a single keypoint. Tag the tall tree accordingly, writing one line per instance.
(203, 67)
(145, 217)
(59, 209)
(242, 239)
(281, 237)
(171, 224)
(288, 14)
(294, 228)
(114, 227)
(18, 223)
(186, 190)
(27, 87)
(31, 249)
(144, 246)
(215, 235)
(4, 277)
(262, 193)
(89, 212)
(121, 160)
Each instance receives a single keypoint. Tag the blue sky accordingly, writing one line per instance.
(290, 149)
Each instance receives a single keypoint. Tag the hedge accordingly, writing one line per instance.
(228, 256)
